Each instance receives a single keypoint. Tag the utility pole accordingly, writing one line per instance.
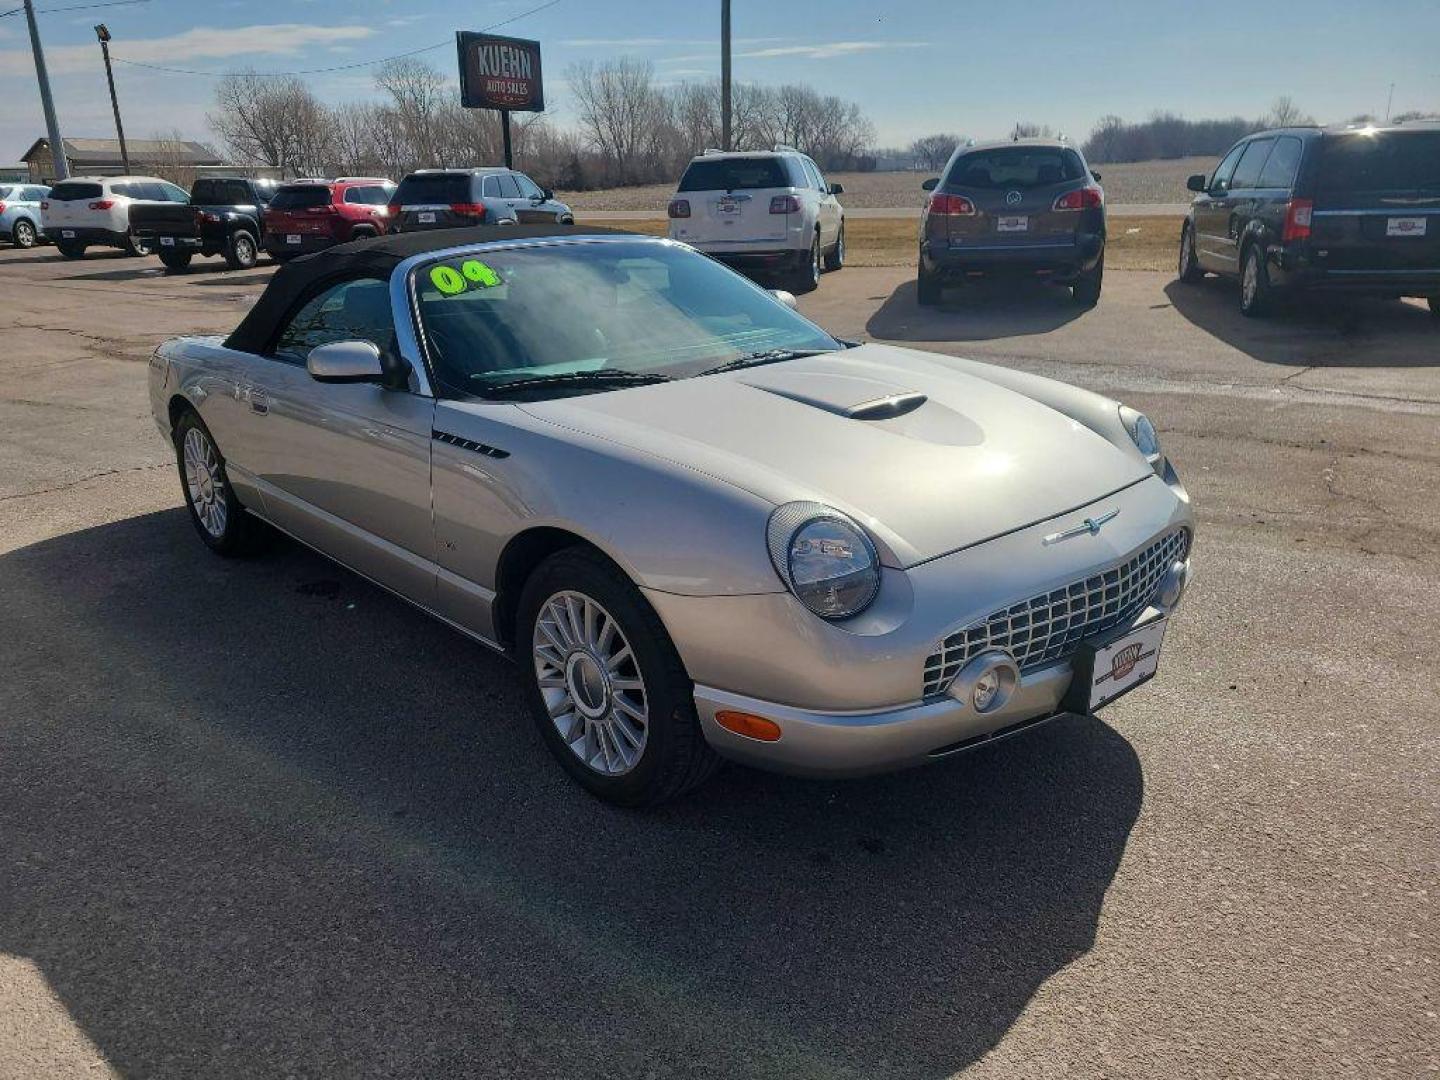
(103, 33)
(724, 74)
(52, 126)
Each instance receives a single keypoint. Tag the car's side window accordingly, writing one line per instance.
(34, 194)
(1284, 162)
(1247, 172)
(492, 187)
(811, 173)
(508, 188)
(528, 187)
(1220, 178)
(357, 309)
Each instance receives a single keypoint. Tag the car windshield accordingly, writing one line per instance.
(734, 174)
(593, 316)
(1015, 167)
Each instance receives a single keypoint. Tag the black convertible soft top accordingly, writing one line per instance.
(297, 281)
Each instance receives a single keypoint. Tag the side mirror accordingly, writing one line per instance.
(1196, 182)
(786, 298)
(931, 184)
(345, 362)
(1096, 175)
(546, 194)
(837, 189)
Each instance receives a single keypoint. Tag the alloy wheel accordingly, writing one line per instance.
(205, 483)
(24, 234)
(1187, 252)
(1250, 280)
(591, 683)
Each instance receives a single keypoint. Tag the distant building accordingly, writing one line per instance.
(10, 174)
(101, 157)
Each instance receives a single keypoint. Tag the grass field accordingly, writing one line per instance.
(1140, 182)
(1135, 243)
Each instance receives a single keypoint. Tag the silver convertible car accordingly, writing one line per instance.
(702, 526)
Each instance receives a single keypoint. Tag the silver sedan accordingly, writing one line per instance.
(703, 527)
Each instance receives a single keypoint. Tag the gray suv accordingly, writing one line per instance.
(458, 198)
(1027, 207)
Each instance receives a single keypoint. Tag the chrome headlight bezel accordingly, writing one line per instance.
(787, 525)
(1143, 434)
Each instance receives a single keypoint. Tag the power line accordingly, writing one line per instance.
(450, 43)
(74, 7)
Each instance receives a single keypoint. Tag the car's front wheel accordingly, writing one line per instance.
(607, 689)
(216, 513)
(1189, 270)
(23, 235)
(1256, 293)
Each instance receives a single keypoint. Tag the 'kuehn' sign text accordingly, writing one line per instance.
(500, 73)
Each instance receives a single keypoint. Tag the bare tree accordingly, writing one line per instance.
(271, 121)
(418, 102)
(933, 151)
(1285, 113)
(620, 111)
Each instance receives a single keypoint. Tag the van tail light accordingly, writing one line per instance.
(1297, 220)
(102, 204)
(943, 205)
(1085, 198)
(469, 209)
(785, 204)
(679, 208)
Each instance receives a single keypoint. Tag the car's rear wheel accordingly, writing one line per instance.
(928, 286)
(70, 249)
(176, 260)
(23, 234)
(807, 276)
(1256, 293)
(241, 252)
(216, 513)
(835, 257)
(606, 687)
(1189, 268)
(1086, 290)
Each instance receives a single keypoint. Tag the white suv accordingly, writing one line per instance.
(765, 211)
(95, 210)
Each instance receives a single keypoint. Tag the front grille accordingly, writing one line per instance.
(1050, 626)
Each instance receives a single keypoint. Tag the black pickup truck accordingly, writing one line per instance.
(222, 218)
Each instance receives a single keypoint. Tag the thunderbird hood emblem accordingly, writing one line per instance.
(1089, 525)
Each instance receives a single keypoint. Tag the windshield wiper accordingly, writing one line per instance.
(764, 356)
(602, 377)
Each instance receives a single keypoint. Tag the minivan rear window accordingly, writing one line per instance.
(736, 174)
(436, 189)
(1383, 161)
(69, 191)
(300, 197)
(1015, 167)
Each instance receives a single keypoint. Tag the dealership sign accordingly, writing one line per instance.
(499, 73)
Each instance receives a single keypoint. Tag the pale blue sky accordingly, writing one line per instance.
(916, 65)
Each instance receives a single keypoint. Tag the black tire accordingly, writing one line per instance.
(240, 533)
(674, 758)
(70, 249)
(364, 232)
(835, 257)
(1257, 295)
(806, 277)
(23, 234)
(1189, 271)
(1086, 290)
(175, 260)
(928, 287)
(134, 246)
(241, 250)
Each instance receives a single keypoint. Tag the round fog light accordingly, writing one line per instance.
(1172, 585)
(988, 681)
(986, 687)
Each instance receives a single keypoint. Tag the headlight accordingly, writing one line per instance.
(825, 558)
(1142, 433)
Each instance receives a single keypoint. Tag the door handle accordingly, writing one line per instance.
(259, 400)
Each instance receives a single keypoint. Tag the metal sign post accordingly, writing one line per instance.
(58, 162)
(500, 73)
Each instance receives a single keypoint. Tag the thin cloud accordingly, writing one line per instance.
(830, 49)
(657, 42)
(202, 42)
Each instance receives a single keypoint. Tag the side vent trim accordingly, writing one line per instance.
(468, 444)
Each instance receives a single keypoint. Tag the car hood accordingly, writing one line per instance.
(930, 458)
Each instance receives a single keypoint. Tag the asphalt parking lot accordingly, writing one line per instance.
(258, 818)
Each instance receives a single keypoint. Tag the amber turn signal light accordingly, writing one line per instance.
(752, 727)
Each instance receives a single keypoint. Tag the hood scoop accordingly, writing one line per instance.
(886, 408)
(854, 397)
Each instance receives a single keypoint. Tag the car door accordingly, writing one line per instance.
(536, 207)
(344, 467)
(829, 206)
(1239, 205)
(1211, 210)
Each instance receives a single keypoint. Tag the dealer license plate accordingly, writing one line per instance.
(1012, 224)
(1126, 663)
(292, 238)
(67, 234)
(728, 205)
(167, 241)
(426, 217)
(1405, 226)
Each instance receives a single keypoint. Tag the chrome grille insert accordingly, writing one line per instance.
(1049, 627)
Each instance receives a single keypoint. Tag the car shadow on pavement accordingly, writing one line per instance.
(980, 311)
(261, 818)
(1316, 330)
